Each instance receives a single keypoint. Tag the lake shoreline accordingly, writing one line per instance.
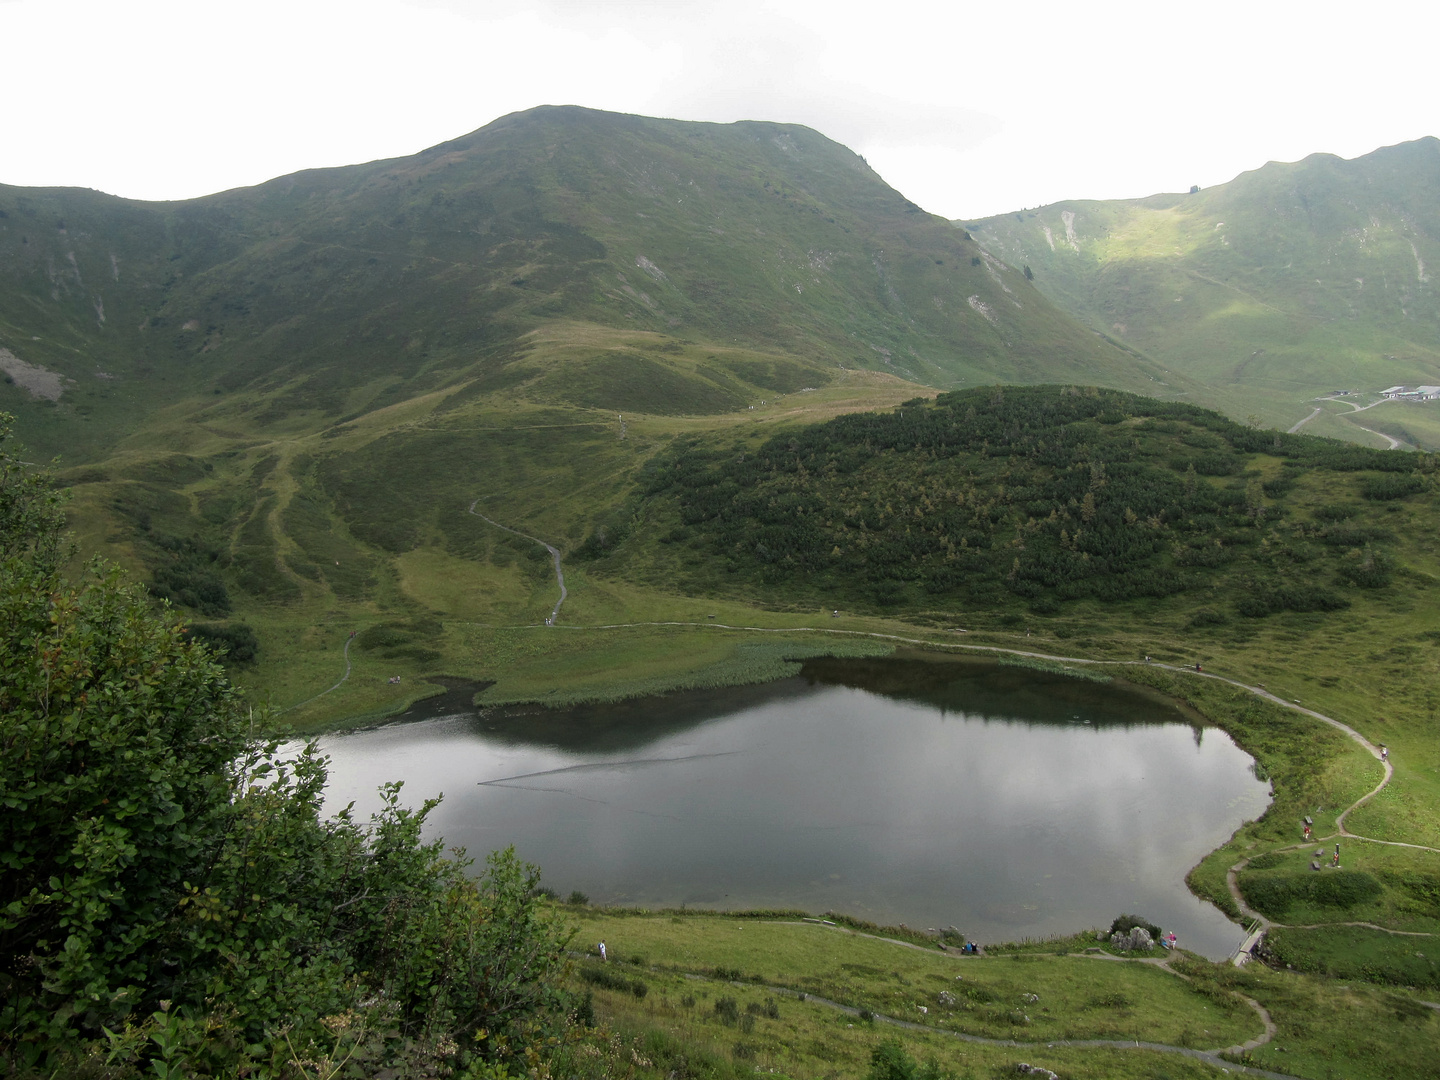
(971, 698)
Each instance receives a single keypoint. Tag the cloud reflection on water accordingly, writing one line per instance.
(823, 796)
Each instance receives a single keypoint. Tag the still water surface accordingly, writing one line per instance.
(1002, 801)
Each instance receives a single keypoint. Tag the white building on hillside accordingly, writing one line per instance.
(1412, 393)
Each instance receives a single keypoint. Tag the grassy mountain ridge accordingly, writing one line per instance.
(1286, 283)
(333, 292)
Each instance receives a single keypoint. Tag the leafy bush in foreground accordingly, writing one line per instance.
(1125, 923)
(171, 884)
(889, 1061)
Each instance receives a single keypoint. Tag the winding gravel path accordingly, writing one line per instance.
(337, 686)
(549, 621)
(1161, 962)
(554, 555)
(1210, 1057)
(1395, 443)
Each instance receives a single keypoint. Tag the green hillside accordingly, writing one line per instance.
(278, 404)
(328, 294)
(335, 421)
(1047, 495)
(1296, 560)
(1284, 285)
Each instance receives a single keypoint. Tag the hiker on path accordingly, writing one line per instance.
(1384, 752)
(602, 951)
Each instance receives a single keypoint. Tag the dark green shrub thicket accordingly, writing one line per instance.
(604, 537)
(1368, 568)
(1392, 486)
(1264, 598)
(1208, 617)
(1274, 894)
(612, 980)
(1268, 861)
(890, 1061)
(1044, 493)
(170, 881)
(185, 570)
(234, 643)
(190, 577)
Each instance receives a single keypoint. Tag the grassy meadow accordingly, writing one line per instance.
(797, 997)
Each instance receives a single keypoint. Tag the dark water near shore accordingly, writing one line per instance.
(1003, 801)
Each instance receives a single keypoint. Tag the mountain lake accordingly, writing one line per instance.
(1006, 802)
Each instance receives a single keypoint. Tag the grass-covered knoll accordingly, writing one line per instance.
(1042, 494)
(1278, 895)
(1395, 887)
(1288, 282)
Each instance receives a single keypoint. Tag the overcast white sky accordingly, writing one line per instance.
(968, 108)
